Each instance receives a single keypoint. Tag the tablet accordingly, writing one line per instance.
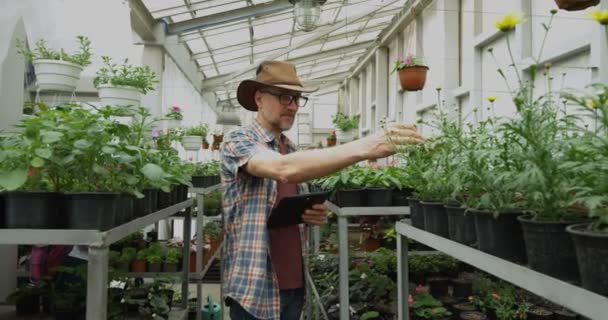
(290, 209)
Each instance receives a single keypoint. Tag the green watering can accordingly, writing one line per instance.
(211, 311)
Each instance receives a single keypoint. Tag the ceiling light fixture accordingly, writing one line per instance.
(307, 13)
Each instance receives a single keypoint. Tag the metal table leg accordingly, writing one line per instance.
(199, 253)
(402, 278)
(343, 266)
(186, 258)
(97, 283)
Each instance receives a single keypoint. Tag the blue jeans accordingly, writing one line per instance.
(292, 302)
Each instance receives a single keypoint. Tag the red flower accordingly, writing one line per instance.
(410, 300)
(31, 172)
(176, 109)
(420, 289)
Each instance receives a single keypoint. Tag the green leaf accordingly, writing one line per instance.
(108, 150)
(43, 153)
(100, 170)
(153, 172)
(51, 136)
(13, 180)
(67, 159)
(37, 162)
(2, 155)
(82, 144)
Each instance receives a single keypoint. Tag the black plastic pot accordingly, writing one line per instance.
(564, 315)
(92, 210)
(33, 210)
(154, 267)
(462, 288)
(170, 267)
(472, 315)
(501, 236)
(550, 248)
(199, 181)
(175, 194)
(182, 193)
(351, 198)
(139, 207)
(539, 313)
(379, 197)
(164, 200)
(438, 286)
(399, 197)
(591, 252)
(29, 304)
(416, 213)
(127, 207)
(2, 210)
(151, 196)
(461, 226)
(435, 218)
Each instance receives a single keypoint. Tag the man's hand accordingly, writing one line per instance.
(383, 143)
(316, 215)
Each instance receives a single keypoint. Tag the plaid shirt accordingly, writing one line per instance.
(247, 202)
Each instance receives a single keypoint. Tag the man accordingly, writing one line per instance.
(263, 269)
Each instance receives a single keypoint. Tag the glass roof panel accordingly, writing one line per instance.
(337, 43)
(204, 61)
(155, 5)
(227, 6)
(305, 51)
(181, 17)
(232, 55)
(228, 38)
(210, 72)
(367, 36)
(226, 28)
(197, 45)
(273, 29)
(271, 46)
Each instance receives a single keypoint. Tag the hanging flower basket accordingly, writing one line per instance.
(56, 75)
(345, 136)
(110, 95)
(192, 143)
(413, 78)
(575, 5)
(172, 124)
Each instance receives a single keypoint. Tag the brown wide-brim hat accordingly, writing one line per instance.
(277, 74)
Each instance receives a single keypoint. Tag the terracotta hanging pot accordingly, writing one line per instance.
(575, 5)
(331, 142)
(218, 138)
(205, 145)
(413, 78)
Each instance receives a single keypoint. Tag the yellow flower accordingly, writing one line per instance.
(509, 21)
(491, 99)
(600, 16)
(591, 103)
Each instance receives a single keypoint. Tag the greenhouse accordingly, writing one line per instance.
(304, 159)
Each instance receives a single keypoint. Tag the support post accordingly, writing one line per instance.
(402, 278)
(200, 216)
(343, 266)
(97, 283)
(186, 260)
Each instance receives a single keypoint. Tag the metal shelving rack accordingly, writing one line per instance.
(343, 214)
(98, 243)
(201, 219)
(584, 302)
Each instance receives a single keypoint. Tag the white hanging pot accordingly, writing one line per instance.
(192, 143)
(110, 95)
(172, 124)
(56, 75)
(345, 136)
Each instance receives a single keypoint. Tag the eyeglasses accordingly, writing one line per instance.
(287, 99)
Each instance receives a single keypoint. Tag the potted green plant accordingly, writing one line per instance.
(212, 232)
(57, 70)
(172, 259)
(348, 186)
(379, 186)
(331, 139)
(205, 174)
(346, 126)
(126, 258)
(424, 306)
(26, 299)
(212, 204)
(194, 137)
(586, 160)
(122, 85)
(139, 263)
(412, 72)
(173, 118)
(67, 297)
